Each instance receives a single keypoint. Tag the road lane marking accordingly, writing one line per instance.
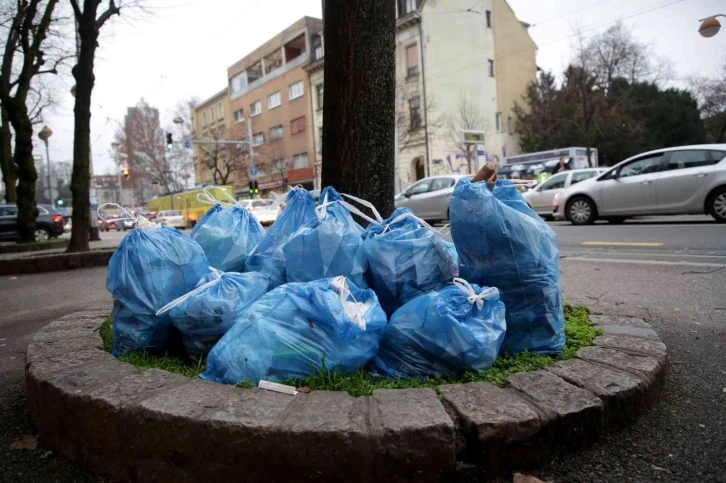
(622, 244)
(646, 262)
(654, 254)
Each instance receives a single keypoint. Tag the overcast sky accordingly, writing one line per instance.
(183, 49)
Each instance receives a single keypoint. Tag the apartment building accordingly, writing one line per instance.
(269, 89)
(210, 123)
(458, 68)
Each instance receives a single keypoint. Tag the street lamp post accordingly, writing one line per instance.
(710, 26)
(44, 134)
(115, 147)
(180, 122)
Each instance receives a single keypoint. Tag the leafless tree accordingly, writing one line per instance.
(711, 96)
(274, 162)
(224, 159)
(415, 115)
(179, 124)
(466, 116)
(142, 147)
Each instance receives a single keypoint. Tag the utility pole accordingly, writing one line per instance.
(44, 134)
(249, 141)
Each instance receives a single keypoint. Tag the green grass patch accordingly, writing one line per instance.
(578, 333)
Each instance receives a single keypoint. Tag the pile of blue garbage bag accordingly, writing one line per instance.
(319, 292)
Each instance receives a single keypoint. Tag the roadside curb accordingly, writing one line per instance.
(55, 262)
(133, 425)
(33, 247)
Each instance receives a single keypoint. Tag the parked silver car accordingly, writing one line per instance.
(540, 197)
(429, 198)
(672, 181)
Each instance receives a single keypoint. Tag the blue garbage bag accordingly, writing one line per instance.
(298, 329)
(406, 258)
(151, 267)
(206, 313)
(445, 332)
(328, 245)
(227, 235)
(501, 242)
(267, 256)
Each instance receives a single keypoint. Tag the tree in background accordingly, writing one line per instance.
(413, 119)
(179, 124)
(224, 159)
(610, 99)
(89, 23)
(26, 54)
(711, 96)
(360, 99)
(142, 147)
(467, 116)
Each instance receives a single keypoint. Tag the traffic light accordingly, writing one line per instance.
(126, 173)
(254, 186)
(169, 142)
(59, 202)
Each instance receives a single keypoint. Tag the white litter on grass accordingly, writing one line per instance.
(273, 386)
(13, 278)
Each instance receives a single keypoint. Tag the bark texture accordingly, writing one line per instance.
(360, 98)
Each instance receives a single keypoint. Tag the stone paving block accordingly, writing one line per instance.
(623, 394)
(61, 347)
(492, 413)
(618, 325)
(651, 347)
(86, 328)
(495, 422)
(648, 367)
(568, 409)
(413, 437)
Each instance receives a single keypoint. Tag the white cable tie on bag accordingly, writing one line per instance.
(206, 197)
(322, 210)
(420, 221)
(368, 205)
(473, 297)
(181, 299)
(351, 309)
(356, 211)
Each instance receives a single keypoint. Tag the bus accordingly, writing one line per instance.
(538, 166)
(186, 202)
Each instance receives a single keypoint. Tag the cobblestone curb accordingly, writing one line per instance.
(32, 247)
(55, 262)
(130, 425)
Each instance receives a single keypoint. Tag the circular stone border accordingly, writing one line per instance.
(133, 425)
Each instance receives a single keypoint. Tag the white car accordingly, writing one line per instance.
(541, 196)
(673, 181)
(171, 218)
(254, 204)
(266, 215)
(429, 198)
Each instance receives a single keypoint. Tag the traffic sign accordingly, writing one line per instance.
(254, 171)
(187, 144)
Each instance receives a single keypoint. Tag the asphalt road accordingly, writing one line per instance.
(678, 287)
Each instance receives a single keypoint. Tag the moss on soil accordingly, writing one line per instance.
(578, 333)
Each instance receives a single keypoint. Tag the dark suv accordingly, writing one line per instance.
(48, 224)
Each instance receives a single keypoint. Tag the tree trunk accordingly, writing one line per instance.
(81, 180)
(6, 159)
(360, 99)
(27, 177)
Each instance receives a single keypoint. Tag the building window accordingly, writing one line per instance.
(489, 18)
(275, 133)
(412, 59)
(237, 82)
(255, 108)
(491, 68)
(295, 90)
(319, 95)
(406, 6)
(498, 121)
(279, 165)
(220, 111)
(204, 119)
(211, 114)
(300, 161)
(273, 100)
(258, 139)
(297, 125)
(239, 116)
(316, 42)
(510, 129)
(414, 107)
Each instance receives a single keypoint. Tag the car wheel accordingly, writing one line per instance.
(42, 234)
(581, 211)
(717, 205)
(616, 220)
